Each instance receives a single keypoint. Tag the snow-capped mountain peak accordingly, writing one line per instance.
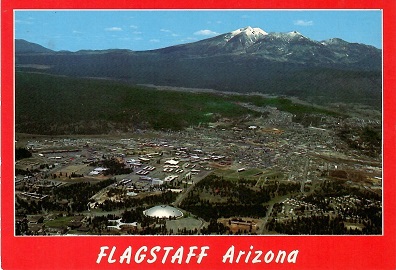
(295, 33)
(334, 41)
(252, 33)
(249, 31)
(288, 37)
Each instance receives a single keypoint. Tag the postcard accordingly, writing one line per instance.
(193, 135)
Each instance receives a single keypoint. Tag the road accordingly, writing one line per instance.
(183, 195)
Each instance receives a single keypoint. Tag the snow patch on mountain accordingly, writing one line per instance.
(249, 31)
(252, 33)
(334, 41)
(294, 35)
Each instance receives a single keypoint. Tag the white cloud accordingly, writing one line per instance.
(23, 22)
(205, 33)
(113, 29)
(77, 32)
(303, 23)
(169, 32)
(154, 40)
(133, 27)
(136, 32)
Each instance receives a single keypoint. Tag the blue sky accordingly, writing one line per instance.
(144, 30)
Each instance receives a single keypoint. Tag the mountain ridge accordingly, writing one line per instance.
(244, 60)
(24, 46)
(255, 34)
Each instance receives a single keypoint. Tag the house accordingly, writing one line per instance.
(172, 162)
(35, 219)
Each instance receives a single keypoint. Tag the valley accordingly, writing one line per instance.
(244, 133)
(254, 171)
(243, 61)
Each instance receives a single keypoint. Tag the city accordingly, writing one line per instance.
(257, 175)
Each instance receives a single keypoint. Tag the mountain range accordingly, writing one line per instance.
(245, 60)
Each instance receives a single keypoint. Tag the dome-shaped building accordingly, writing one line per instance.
(163, 211)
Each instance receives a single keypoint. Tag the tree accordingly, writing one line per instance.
(21, 153)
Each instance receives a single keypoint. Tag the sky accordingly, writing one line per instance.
(139, 30)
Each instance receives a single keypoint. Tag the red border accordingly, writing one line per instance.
(323, 252)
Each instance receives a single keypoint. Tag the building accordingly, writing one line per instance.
(172, 162)
(163, 211)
